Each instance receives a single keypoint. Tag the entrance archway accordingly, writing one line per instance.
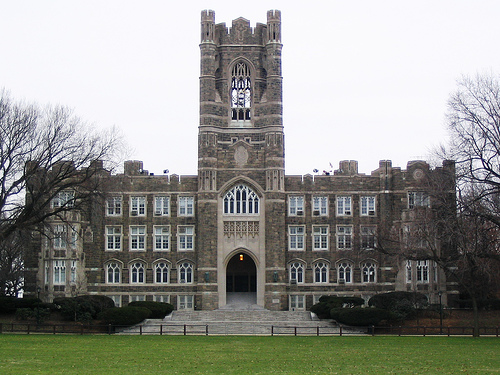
(241, 279)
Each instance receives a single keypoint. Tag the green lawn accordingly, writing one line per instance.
(46, 354)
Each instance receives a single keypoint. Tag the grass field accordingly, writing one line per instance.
(45, 354)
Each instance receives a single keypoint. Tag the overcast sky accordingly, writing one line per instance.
(364, 80)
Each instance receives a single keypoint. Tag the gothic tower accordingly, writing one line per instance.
(240, 158)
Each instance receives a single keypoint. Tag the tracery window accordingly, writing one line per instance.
(113, 272)
(369, 272)
(241, 92)
(344, 272)
(137, 273)
(185, 273)
(297, 273)
(241, 200)
(161, 273)
(321, 272)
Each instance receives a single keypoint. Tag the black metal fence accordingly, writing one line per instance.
(207, 329)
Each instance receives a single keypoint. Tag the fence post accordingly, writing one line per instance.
(424, 330)
(54, 329)
(373, 330)
(340, 331)
(161, 329)
(295, 331)
(272, 330)
(28, 332)
(206, 330)
(317, 330)
(140, 330)
(185, 330)
(400, 330)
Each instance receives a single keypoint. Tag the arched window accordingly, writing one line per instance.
(161, 273)
(241, 92)
(297, 273)
(344, 272)
(137, 273)
(241, 200)
(321, 272)
(113, 272)
(369, 272)
(186, 273)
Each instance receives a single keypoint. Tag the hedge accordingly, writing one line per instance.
(9, 305)
(158, 309)
(403, 305)
(361, 316)
(124, 316)
(326, 303)
(83, 308)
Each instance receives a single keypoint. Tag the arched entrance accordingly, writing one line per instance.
(241, 279)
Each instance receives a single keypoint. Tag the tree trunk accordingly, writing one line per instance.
(475, 311)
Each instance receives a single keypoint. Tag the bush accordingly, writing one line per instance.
(403, 305)
(124, 316)
(23, 313)
(158, 309)
(9, 305)
(387, 301)
(362, 317)
(83, 308)
(326, 303)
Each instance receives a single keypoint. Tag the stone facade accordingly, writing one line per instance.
(241, 225)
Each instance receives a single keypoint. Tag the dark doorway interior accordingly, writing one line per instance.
(241, 275)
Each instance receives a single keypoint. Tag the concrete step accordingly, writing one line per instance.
(157, 326)
(239, 316)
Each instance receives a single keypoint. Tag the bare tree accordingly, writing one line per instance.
(474, 124)
(46, 155)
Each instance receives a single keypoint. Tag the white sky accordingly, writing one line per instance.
(364, 80)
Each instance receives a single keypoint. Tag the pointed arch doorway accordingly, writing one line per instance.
(241, 280)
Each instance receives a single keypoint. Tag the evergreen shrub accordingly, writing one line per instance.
(124, 316)
(362, 316)
(158, 309)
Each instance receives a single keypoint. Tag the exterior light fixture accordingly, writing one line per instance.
(241, 257)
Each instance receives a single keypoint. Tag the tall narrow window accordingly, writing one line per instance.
(137, 273)
(59, 272)
(241, 93)
(161, 273)
(241, 200)
(185, 273)
(162, 238)
(113, 272)
(320, 237)
(344, 237)
(344, 272)
(320, 272)
(138, 237)
(369, 272)
(186, 206)
(296, 237)
(296, 273)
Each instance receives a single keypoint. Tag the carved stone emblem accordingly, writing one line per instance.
(241, 156)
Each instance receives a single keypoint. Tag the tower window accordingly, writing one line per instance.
(241, 200)
(241, 92)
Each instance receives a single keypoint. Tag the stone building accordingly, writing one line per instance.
(241, 227)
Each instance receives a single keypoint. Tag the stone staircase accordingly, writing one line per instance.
(243, 321)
